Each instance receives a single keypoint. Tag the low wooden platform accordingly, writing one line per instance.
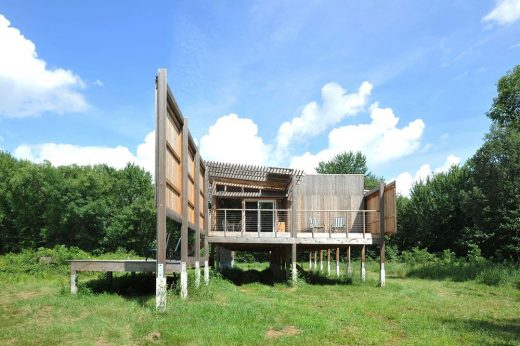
(134, 266)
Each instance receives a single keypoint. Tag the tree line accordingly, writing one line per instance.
(102, 209)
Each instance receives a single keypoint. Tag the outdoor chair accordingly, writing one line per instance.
(314, 224)
(338, 225)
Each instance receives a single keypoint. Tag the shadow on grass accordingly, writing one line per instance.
(241, 277)
(138, 287)
(498, 332)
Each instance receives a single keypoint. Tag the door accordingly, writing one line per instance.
(266, 217)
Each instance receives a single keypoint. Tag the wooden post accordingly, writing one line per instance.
(310, 260)
(349, 263)
(321, 260)
(73, 282)
(184, 227)
(315, 260)
(160, 192)
(382, 230)
(294, 270)
(337, 262)
(196, 176)
(207, 224)
(328, 262)
(363, 269)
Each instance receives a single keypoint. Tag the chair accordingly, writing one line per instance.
(314, 223)
(338, 224)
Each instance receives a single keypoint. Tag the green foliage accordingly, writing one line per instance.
(506, 105)
(349, 163)
(96, 208)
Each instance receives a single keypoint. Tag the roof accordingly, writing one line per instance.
(253, 176)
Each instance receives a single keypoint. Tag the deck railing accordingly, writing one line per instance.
(279, 222)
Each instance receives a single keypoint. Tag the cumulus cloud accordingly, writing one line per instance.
(406, 180)
(67, 154)
(505, 12)
(381, 140)
(234, 139)
(27, 86)
(314, 119)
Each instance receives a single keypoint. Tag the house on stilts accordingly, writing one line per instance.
(225, 207)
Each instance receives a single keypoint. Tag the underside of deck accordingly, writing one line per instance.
(140, 266)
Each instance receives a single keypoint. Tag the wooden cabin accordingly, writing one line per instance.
(228, 207)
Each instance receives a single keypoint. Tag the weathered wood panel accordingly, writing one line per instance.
(390, 208)
(390, 200)
(329, 192)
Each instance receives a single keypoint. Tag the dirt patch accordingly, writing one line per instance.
(154, 337)
(285, 331)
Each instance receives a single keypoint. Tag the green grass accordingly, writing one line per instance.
(36, 308)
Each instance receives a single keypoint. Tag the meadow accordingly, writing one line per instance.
(470, 304)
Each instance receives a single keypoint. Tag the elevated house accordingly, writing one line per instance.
(225, 207)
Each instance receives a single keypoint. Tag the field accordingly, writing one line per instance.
(242, 308)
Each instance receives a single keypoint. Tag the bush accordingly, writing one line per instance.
(417, 256)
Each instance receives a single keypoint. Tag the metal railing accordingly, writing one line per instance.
(279, 222)
(332, 222)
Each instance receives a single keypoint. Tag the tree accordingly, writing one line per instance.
(493, 202)
(349, 163)
(505, 110)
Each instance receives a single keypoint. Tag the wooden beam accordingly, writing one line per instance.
(197, 218)
(382, 273)
(337, 262)
(160, 187)
(363, 260)
(184, 226)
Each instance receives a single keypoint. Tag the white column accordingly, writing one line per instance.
(184, 281)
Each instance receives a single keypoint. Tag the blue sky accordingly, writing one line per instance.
(282, 83)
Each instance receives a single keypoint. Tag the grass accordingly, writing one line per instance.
(243, 306)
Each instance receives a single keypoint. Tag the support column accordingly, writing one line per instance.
(231, 259)
(184, 201)
(321, 260)
(160, 176)
(310, 260)
(184, 281)
(197, 273)
(328, 262)
(349, 263)
(363, 259)
(73, 282)
(337, 262)
(382, 230)
(206, 260)
(315, 260)
(294, 269)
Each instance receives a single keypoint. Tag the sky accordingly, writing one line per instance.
(279, 83)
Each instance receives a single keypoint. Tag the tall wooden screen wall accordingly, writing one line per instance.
(179, 175)
(390, 209)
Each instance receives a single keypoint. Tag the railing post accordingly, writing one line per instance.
(329, 223)
(225, 222)
(364, 216)
(346, 220)
(258, 223)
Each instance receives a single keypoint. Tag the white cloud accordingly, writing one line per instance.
(381, 140)
(315, 119)
(234, 139)
(67, 154)
(27, 86)
(406, 180)
(505, 12)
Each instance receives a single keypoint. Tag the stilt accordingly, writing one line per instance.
(160, 288)
(310, 260)
(321, 260)
(184, 281)
(197, 273)
(231, 259)
(337, 262)
(349, 264)
(363, 270)
(294, 270)
(382, 273)
(315, 260)
(206, 260)
(73, 282)
(328, 262)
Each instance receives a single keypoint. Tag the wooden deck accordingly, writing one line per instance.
(134, 266)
